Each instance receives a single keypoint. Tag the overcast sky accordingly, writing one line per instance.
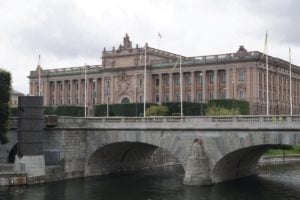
(73, 32)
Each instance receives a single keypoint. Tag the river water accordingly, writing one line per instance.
(281, 182)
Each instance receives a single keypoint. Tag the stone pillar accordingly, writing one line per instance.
(216, 84)
(227, 83)
(197, 168)
(204, 86)
(63, 92)
(248, 83)
(71, 92)
(103, 90)
(95, 92)
(160, 88)
(111, 89)
(171, 87)
(30, 135)
(55, 93)
(193, 86)
(79, 91)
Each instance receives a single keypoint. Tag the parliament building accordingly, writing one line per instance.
(120, 79)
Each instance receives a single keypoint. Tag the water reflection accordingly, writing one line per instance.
(274, 182)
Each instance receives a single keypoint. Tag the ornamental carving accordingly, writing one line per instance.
(124, 85)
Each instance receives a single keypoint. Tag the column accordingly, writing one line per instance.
(79, 91)
(216, 84)
(95, 92)
(204, 85)
(63, 92)
(227, 83)
(160, 88)
(248, 84)
(112, 89)
(171, 87)
(71, 92)
(55, 93)
(102, 90)
(192, 86)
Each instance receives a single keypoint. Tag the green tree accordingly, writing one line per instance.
(5, 88)
(157, 111)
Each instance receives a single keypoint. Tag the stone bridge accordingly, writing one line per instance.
(210, 149)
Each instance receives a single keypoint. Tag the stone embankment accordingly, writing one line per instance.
(265, 160)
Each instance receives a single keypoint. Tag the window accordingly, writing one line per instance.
(156, 82)
(141, 98)
(200, 96)
(241, 75)
(223, 94)
(211, 78)
(242, 94)
(166, 81)
(188, 80)
(223, 77)
(200, 79)
(177, 97)
(211, 95)
(177, 80)
(141, 82)
(156, 98)
(188, 97)
(167, 98)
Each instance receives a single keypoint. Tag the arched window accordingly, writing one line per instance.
(125, 100)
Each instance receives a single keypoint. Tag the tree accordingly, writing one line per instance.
(5, 89)
(157, 111)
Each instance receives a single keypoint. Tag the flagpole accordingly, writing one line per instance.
(267, 68)
(145, 77)
(291, 93)
(85, 85)
(39, 66)
(180, 71)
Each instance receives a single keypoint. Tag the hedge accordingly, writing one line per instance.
(74, 111)
(189, 108)
(5, 88)
(127, 110)
(243, 106)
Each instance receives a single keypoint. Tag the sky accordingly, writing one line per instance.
(73, 32)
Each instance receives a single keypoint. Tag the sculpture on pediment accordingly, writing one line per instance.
(123, 84)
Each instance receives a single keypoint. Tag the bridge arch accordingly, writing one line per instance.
(121, 157)
(239, 163)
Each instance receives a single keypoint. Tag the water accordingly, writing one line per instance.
(273, 183)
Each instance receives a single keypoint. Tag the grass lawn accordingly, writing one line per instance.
(278, 152)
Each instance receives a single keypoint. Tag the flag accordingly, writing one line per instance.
(159, 35)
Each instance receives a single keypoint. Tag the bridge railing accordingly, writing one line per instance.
(176, 119)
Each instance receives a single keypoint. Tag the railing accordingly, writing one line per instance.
(252, 55)
(80, 69)
(276, 119)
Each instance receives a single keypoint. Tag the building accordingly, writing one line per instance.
(14, 96)
(120, 79)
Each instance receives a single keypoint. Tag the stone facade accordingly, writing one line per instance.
(120, 79)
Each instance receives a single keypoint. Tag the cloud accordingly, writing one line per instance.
(74, 32)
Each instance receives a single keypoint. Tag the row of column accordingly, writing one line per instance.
(191, 88)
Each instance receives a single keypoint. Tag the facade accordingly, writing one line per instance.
(14, 98)
(120, 79)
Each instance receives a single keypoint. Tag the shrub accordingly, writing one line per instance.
(230, 104)
(157, 111)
